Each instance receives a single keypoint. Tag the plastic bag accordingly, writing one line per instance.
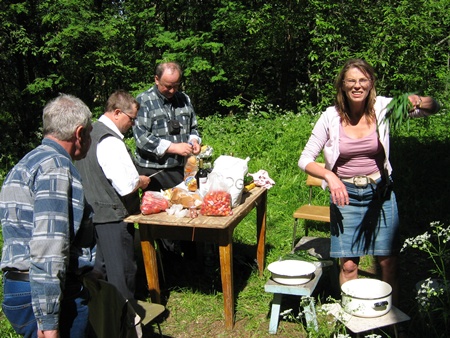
(153, 202)
(233, 169)
(217, 201)
(177, 210)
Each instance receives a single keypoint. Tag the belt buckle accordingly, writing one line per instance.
(361, 181)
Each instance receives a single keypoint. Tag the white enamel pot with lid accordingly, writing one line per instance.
(366, 297)
(291, 271)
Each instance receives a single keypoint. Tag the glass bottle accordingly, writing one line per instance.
(202, 176)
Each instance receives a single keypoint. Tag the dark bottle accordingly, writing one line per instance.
(202, 176)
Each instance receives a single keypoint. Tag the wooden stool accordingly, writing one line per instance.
(304, 290)
(360, 324)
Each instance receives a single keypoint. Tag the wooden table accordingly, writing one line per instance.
(212, 229)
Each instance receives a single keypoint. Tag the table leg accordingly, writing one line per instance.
(261, 208)
(226, 272)
(275, 313)
(150, 263)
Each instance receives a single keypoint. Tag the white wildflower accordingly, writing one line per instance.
(286, 312)
(287, 315)
(420, 242)
(444, 234)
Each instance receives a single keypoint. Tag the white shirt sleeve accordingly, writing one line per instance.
(114, 159)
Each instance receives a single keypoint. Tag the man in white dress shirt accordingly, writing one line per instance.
(111, 183)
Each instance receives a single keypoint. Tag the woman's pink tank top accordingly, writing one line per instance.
(363, 156)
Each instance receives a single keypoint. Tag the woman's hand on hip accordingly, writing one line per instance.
(339, 194)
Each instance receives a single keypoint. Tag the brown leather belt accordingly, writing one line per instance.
(362, 180)
(21, 276)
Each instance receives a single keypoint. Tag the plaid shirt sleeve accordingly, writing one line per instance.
(49, 247)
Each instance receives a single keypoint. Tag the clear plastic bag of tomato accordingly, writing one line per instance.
(153, 202)
(217, 201)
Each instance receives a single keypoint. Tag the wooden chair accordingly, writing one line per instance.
(308, 211)
(111, 315)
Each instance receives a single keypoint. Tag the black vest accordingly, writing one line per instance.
(108, 205)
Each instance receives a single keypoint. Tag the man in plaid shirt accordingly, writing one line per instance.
(166, 129)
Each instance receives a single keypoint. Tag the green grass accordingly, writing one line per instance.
(274, 142)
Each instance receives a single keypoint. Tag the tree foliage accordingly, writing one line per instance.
(285, 53)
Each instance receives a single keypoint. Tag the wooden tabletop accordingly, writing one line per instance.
(248, 201)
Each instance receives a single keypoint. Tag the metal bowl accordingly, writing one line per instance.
(366, 297)
(292, 272)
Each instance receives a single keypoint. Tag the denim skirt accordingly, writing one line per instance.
(369, 225)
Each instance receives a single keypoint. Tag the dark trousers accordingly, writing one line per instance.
(167, 179)
(115, 256)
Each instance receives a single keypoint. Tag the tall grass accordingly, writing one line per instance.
(274, 140)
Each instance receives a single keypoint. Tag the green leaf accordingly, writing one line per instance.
(398, 111)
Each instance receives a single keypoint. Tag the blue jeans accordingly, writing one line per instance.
(17, 308)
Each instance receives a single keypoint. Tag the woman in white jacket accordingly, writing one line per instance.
(354, 137)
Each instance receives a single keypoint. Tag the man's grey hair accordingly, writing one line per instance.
(63, 115)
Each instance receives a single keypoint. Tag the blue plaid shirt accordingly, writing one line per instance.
(151, 130)
(47, 229)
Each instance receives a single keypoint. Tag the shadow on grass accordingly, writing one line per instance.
(422, 186)
(197, 268)
(421, 182)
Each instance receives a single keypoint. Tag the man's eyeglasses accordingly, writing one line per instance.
(174, 86)
(353, 82)
(132, 119)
